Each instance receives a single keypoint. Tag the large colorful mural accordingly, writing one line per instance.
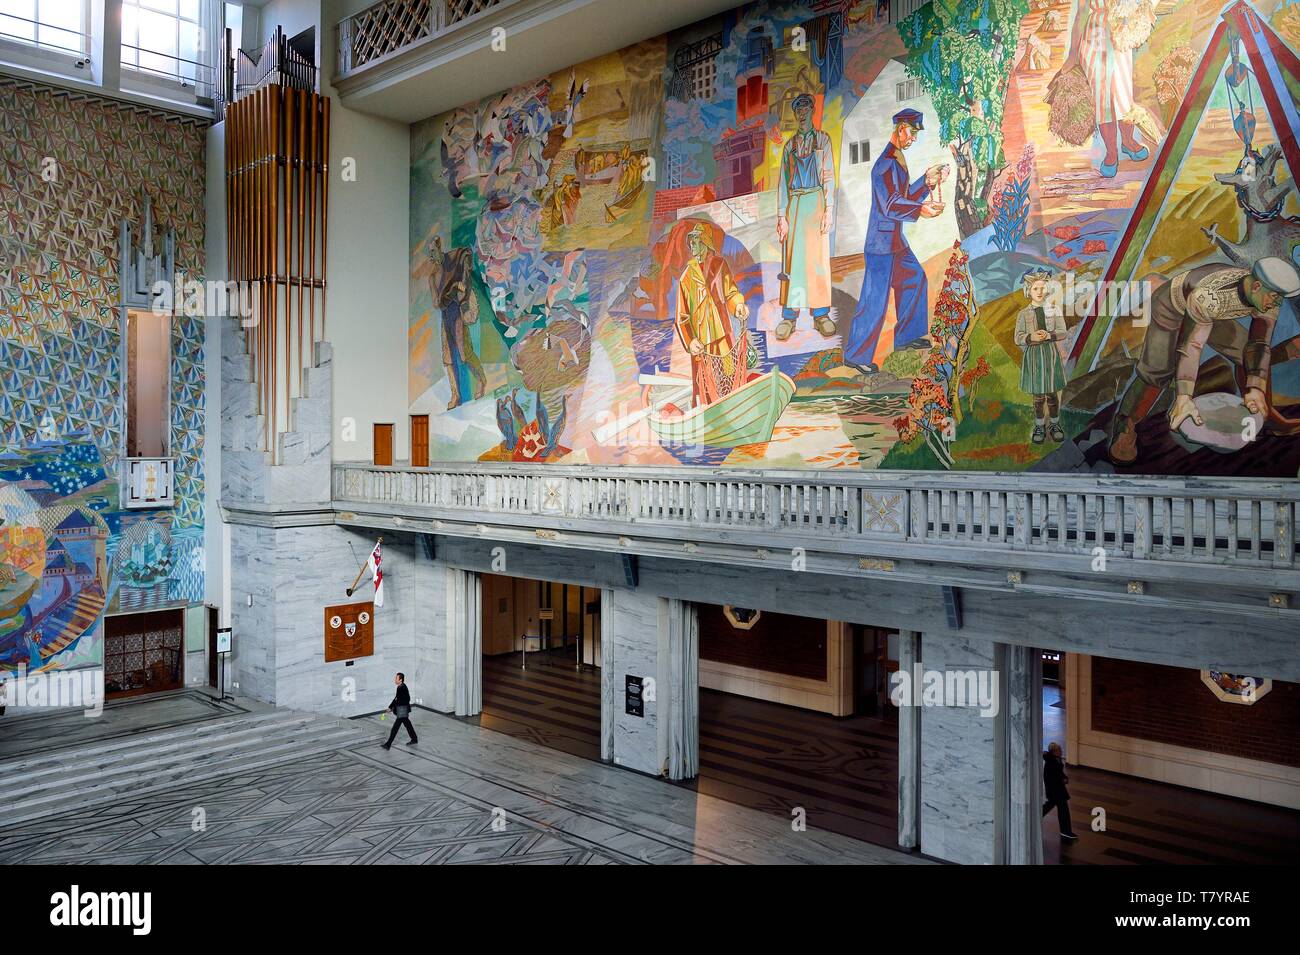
(71, 169)
(1001, 234)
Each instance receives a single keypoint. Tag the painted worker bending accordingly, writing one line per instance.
(1201, 306)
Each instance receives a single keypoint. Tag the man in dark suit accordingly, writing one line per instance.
(1054, 780)
(890, 266)
(401, 710)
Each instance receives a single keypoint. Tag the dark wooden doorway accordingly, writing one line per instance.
(144, 652)
(213, 658)
(872, 668)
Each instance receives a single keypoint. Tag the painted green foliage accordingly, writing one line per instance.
(961, 51)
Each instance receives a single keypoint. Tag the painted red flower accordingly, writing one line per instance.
(530, 443)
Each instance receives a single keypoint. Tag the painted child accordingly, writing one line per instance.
(1039, 330)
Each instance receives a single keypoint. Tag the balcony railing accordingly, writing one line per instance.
(1236, 523)
(395, 24)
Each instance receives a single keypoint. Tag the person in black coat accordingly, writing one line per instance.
(1054, 780)
(401, 710)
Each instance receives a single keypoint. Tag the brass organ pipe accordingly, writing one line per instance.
(300, 195)
(226, 143)
(325, 207)
(290, 114)
(273, 250)
(312, 147)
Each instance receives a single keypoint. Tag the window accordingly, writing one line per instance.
(164, 38)
(859, 151)
(50, 24)
(703, 75)
(148, 367)
(905, 90)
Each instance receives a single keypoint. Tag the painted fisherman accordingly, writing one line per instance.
(805, 217)
(711, 314)
(889, 263)
(1204, 305)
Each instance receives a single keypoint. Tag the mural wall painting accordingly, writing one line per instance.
(69, 550)
(1056, 235)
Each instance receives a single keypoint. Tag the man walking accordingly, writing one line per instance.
(1054, 780)
(401, 710)
(890, 265)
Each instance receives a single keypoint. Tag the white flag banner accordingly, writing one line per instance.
(374, 565)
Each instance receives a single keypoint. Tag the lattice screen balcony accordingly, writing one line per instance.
(394, 24)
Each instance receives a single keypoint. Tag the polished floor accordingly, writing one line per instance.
(777, 759)
(551, 703)
(464, 795)
(1152, 823)
(843, 773)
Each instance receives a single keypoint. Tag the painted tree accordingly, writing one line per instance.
(961, 52)
(934, 404)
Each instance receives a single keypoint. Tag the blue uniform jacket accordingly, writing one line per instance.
(893, 202)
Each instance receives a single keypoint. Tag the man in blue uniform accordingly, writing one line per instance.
(889, 262)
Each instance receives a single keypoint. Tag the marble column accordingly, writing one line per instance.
(432, 626)
(608, 667)
(909, 748)
(959, 759)
(1020, 793)
(680, 680)
(630, 627)
(466, 643)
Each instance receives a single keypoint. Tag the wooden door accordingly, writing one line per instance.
(212, 647)
(383, 445)
(419, 440)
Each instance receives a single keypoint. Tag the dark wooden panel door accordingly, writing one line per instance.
(419, 440)
(212, 647)
(383, 445)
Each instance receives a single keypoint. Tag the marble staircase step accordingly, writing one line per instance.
(140, 753)
(206, 760)
(318, 737)
(26, 764)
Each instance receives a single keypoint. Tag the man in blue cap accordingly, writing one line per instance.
(1231, 309)
(889, 263)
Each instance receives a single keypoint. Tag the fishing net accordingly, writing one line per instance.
(727, 371)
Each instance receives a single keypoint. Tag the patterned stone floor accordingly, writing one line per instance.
(338, 810)
(464, 795)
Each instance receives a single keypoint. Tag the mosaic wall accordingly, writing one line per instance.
(800, 235)
(70, 170)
